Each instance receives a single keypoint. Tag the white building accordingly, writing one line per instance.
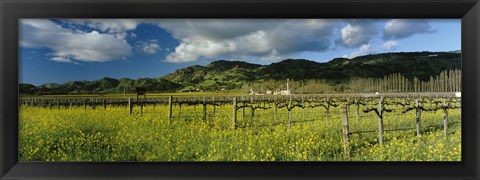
(458, 94)
(288, 91)
(254, 93)
(282, 92)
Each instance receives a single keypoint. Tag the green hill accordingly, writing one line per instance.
(215, 76)
(230, 75)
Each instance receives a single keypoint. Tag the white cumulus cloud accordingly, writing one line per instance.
(148, 47)
(101, 40)
(111, 26)
(370, 48)
(362, 50)
(133, 35)
(357, 33)
(403, 28)
(260, 39)
(389, 45)
(151, 48)
(72, 44)
(61, 59)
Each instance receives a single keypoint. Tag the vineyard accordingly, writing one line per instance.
(337, 127)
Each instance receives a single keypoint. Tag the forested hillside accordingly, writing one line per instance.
(404, 71)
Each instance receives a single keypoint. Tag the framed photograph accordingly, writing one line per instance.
(239, 89)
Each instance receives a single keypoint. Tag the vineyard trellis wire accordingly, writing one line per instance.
(243, 111)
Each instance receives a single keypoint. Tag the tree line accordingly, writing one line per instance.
(445, 81)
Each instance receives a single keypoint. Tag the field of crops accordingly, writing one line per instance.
(112, 134)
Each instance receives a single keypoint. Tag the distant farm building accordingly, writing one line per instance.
(288, 91)
(282, 92)
(252, 92)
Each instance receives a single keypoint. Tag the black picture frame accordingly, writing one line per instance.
(467, 10)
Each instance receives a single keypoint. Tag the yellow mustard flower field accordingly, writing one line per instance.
(112, 134)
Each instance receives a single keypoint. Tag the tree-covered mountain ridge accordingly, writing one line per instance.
(223, 75)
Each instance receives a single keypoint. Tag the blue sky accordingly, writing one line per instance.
(61, 50)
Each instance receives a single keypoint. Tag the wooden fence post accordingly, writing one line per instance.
(85, 104)
(243, 114)
(418, 116)
(141, 104)
(130, 106)
(104, 104)
(445, 121)
(327, 107)
(92, 103)
(214, 110)
(303, 109)
(396, 104)
(445, 117)
(380, 120)
(289, 108)
(357, 109)
(170, 108)
(345, 132)
(204, 110)
(275, 106)
(275, 109)
(214, 107)
(252, 111)
(234, 118)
